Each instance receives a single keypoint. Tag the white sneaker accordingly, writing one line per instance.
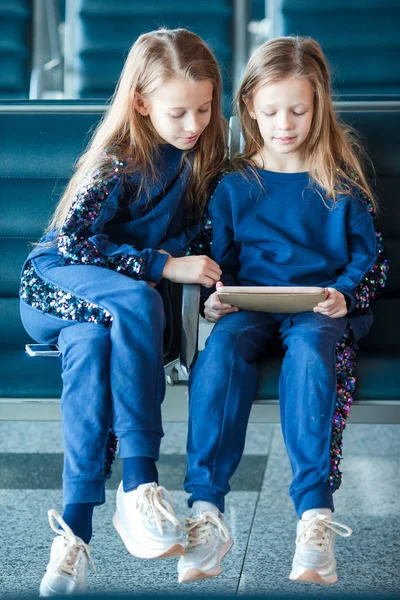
(208, 541)
(314, 559)
(66, 573)
(145, 519)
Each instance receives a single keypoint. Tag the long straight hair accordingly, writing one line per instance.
(155, 58)
(335, 158)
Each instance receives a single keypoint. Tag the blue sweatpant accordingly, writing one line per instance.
(110, 374)
(222, 388)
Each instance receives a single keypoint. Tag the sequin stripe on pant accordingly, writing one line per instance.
(345, 390)
(223, 385)
(308, 398)
(122, 363)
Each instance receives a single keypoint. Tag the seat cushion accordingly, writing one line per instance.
(24, 376)
(377, 376)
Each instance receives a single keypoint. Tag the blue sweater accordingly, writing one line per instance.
(285, 232)
(112, 224)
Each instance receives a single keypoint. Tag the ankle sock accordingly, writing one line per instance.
(79, 518)
(203, 506)
(313, 512)
(137, 470)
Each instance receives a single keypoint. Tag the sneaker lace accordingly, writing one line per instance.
(200, 527)
(67, 556)
(316, 531)
(156, 503)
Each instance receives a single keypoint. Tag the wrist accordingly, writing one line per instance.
(155, 266)
(167, 266)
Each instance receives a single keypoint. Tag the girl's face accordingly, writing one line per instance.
(284, 112)
(179, 110)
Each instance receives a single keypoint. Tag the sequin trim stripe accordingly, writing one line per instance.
(111, 450)
(375, 280)
(202, 243)
(58, 302)
(73, 245)
(345, 386)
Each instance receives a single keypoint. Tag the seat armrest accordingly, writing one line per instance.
(235, 137)
(190, 327)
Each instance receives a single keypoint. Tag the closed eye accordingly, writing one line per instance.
(297, 114)
(201, 110)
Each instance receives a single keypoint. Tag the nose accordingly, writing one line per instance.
(285, 121)
(192, 125)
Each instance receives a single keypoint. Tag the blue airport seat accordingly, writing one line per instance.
(361, 39)
(257, 10)
(15, 48)
(41, 142)
(103, 32)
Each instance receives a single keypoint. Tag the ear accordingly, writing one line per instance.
(141, 104)
(249, 106)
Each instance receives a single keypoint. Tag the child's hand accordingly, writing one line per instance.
(334, 306)
(192, 269)
(214, 310)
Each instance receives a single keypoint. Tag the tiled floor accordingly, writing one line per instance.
(259, 514)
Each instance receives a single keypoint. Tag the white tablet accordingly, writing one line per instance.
(272, 299)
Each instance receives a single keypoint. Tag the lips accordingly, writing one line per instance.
(286, 139)
(190, 139)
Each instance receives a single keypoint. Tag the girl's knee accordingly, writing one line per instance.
(303, 343)
(139, 297)
(222, 338)
(313, 332)
(87, 337)
(152, 299)
(142, 303)
(223, 345)
(43, 328)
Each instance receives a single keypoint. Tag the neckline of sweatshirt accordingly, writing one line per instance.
(301, 175)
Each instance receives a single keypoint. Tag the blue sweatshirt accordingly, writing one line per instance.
(282, 231)
(114, 224)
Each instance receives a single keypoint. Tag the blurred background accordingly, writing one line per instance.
(75, 49)
(59, 63)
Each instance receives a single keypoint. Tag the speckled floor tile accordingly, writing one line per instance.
(44, 472)
(45, 437)
(368, 501)
(27, 547)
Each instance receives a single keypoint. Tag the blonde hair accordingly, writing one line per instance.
(334, 156)
(155, 57)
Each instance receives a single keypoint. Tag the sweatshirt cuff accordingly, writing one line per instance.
(173, 247)
(349, 297)
(350, 302)
(155, 266)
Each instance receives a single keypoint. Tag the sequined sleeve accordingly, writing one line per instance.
(222, 239)
(365, 275)
(195, 239)
(374, 281)
(81, 241)
(202, 242)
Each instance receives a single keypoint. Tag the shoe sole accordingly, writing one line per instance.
(45, 591)
(311, 576)
(141, 552)
(196, 574)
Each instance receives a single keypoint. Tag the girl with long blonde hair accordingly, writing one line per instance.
(96, 285)
(297, 210)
